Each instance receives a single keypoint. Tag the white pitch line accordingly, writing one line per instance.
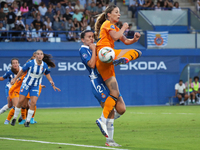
(142, 113)
(45, 142)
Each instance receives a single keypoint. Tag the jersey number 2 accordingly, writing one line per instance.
(99, 88)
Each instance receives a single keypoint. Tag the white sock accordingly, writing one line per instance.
(193, 100)
(117, 115)
(30, 114)
(4, 108)
(17, 111)
(110, 129)
(103, 119)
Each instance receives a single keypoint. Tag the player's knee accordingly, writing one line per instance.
(122, 110)
(114, 93)
(139, 52)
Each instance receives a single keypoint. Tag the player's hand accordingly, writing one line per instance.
(13, 81)
(125, 25)
(137, 36)
(55, 88)
(43, 86)
(92, 46)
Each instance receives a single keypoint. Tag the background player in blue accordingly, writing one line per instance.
(10, 74)
(99, 89)
(35, 68)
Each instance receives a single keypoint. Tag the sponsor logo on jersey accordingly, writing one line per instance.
(85, 55)
(22, 90)
(112, 26)
(103, 95)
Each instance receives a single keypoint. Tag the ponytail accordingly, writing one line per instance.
(47, 59)
(100, 19)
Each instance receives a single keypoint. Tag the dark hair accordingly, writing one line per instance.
(47, 59)
(180, 80)
(24, 6)
(196, 77)
(84, 32)
(12, 69)
(176, 3)
(101, 18)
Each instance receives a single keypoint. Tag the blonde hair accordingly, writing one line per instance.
(101, 18)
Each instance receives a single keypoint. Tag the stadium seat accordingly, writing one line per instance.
(63, 37)
(29, 21)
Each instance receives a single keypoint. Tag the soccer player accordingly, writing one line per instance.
(10, 74)
(14, 94)
(107, 33)
(35, 68)
(99, 89)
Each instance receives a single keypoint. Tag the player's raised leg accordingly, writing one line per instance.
(127, 55)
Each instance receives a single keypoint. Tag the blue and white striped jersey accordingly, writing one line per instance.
(35, 72)
(86, 55)
(10, 75)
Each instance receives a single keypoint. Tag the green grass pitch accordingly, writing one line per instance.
(140, 128)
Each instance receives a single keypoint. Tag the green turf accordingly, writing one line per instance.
(140, 128)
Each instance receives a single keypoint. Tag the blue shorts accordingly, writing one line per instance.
(7, 91)
(100, 90)
(25, 89)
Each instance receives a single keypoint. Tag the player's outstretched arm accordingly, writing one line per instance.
(130, 41)
(52, 83)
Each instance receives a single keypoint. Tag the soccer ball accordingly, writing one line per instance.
(106, 54)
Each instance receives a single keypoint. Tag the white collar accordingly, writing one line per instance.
(36, 62)
(85, 46)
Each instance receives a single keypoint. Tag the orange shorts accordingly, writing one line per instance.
(106, 70)
(15, 90)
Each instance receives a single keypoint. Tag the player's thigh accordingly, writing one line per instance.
(15, 101)
(120, 106)
(21, 100)
(9, 102)
(112, 85)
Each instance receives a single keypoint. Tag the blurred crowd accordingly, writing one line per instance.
(37, 21)
(135, 5)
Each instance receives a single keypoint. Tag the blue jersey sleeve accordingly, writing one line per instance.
(85, 55)
(26, 66)
(6, 75)
(47, 69)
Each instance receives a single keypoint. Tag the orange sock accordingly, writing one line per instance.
(23, 112)
(34, 112)
(108, 106)
(11, 114)
(132, 54)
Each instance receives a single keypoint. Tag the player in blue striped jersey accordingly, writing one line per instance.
(35, 68)
(10, 74)
(99, 89)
